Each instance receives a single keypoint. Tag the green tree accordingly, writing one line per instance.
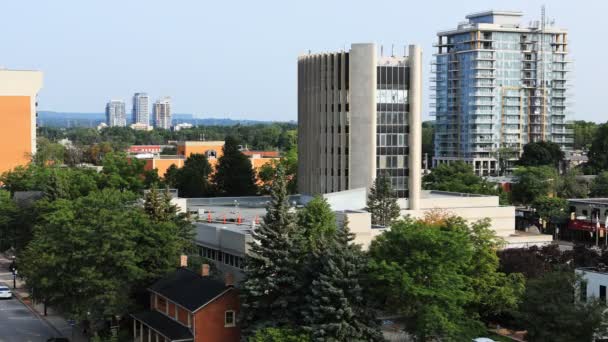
(569, 185)
(171, 177)
(192, 180)
(382, 202)
(120, 172)
(234, 175)
(584, 131)
(541, 153)
(551, 208)
(279, 335)
(457, 177)
(48, 152)
(550, 311)
(8, 216)
(599, 186)
(533, 182)
(269, 290)
(598, 152)
(336, 309)
(428, 139)
(317, 222)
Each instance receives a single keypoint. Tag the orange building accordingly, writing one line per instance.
(189, 307)
(213, 151)
(18, 91)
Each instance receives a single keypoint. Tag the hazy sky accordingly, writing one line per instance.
(238, 59)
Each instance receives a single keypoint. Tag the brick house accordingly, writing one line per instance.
(186, 306)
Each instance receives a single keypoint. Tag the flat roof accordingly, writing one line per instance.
(494, 12)
(598, 201)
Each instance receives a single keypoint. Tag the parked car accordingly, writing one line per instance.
(5, 292)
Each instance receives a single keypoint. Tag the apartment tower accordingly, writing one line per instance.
(162, 113)
(359, 117)
(141, 109)
(116, 114)
(18, 92)
(498, 86)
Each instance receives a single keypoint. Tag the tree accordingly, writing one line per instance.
(8, 216)
(598, 152)
(599, 186)
(569, 185)
(279, 335)
(48, 152)
(550, 311)
(336, 309)
(584, 131)
(269, 290)
(441, 277)
(457, 177)
(192, 180)
(234, 175)
(533, 182)
(551, 208)
(317, 222)
(541, 153)
(123, 173)
(428, 138)
(171, 177)
(382, 202)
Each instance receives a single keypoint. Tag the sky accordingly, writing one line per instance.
(238, 59)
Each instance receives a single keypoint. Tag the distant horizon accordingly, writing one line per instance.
(242, 58)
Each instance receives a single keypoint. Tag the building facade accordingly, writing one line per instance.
(359, 117)
(162, 113)
(498, 86)
(116, 114)
(18, 92)
(141, 109)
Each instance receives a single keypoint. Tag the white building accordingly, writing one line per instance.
(141, 108)
(116, 114)
(162, 113)
(593, 283)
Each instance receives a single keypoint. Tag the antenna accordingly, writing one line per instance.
(392, 50)
(381, 50)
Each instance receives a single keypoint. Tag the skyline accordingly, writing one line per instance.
(94, 52)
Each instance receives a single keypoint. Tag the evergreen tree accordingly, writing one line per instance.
(316, 222)
(193, 179)
(336, 309)
(382, 202)
(234, 175)
(268, 292)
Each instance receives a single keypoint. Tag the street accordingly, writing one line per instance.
(18, 323)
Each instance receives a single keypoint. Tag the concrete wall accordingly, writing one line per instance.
(594, 280)
(415, 125)
(360, 224)
(362, 162)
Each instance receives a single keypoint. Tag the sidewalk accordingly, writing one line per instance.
(53, 319)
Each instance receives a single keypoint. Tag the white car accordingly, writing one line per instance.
(5, 292)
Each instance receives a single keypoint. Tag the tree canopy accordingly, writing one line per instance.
(533, 182)
(541, 153)
(598, 152)
(382, 202)
(234, 175)
(457, 177)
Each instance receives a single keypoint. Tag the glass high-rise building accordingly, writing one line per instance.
(162, 113)
(141, 109)
(358, 118)
(116, 114)
(498, 86)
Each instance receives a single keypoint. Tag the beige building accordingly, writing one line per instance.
(18, 93)
(359, 117)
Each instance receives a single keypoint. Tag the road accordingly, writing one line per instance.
(18, 323)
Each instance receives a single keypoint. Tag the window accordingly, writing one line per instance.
(603, 294)
(583, 291)
(229, 320)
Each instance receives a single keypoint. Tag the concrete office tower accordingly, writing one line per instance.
(359, 117)
(162, 113)
(116, 114)
(498, 86)
(141, 109)
(18, 91)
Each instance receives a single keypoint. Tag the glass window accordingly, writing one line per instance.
(229, 319)
(603, 294)
(583, 291)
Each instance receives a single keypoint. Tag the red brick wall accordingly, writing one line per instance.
(171, 312)
(209, 321)
(182, 316)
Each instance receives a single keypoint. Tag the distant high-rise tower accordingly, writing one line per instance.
(141, 108)
(498, 86)
(116, 114)
(358, 118)
(162, 113)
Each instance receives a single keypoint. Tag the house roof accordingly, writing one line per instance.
(164, 326)
(189, 289)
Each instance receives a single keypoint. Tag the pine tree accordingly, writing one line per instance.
(269, 291)
(382, 202)
(234, 175)
(336, 309)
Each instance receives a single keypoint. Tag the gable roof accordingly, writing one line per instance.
(164, 325)
(189, 289)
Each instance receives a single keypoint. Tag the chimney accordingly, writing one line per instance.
(229, 279)
(205, 270)
(183, 261)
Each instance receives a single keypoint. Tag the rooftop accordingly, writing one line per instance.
(189, 289)
(165, 326)
(590, 201)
